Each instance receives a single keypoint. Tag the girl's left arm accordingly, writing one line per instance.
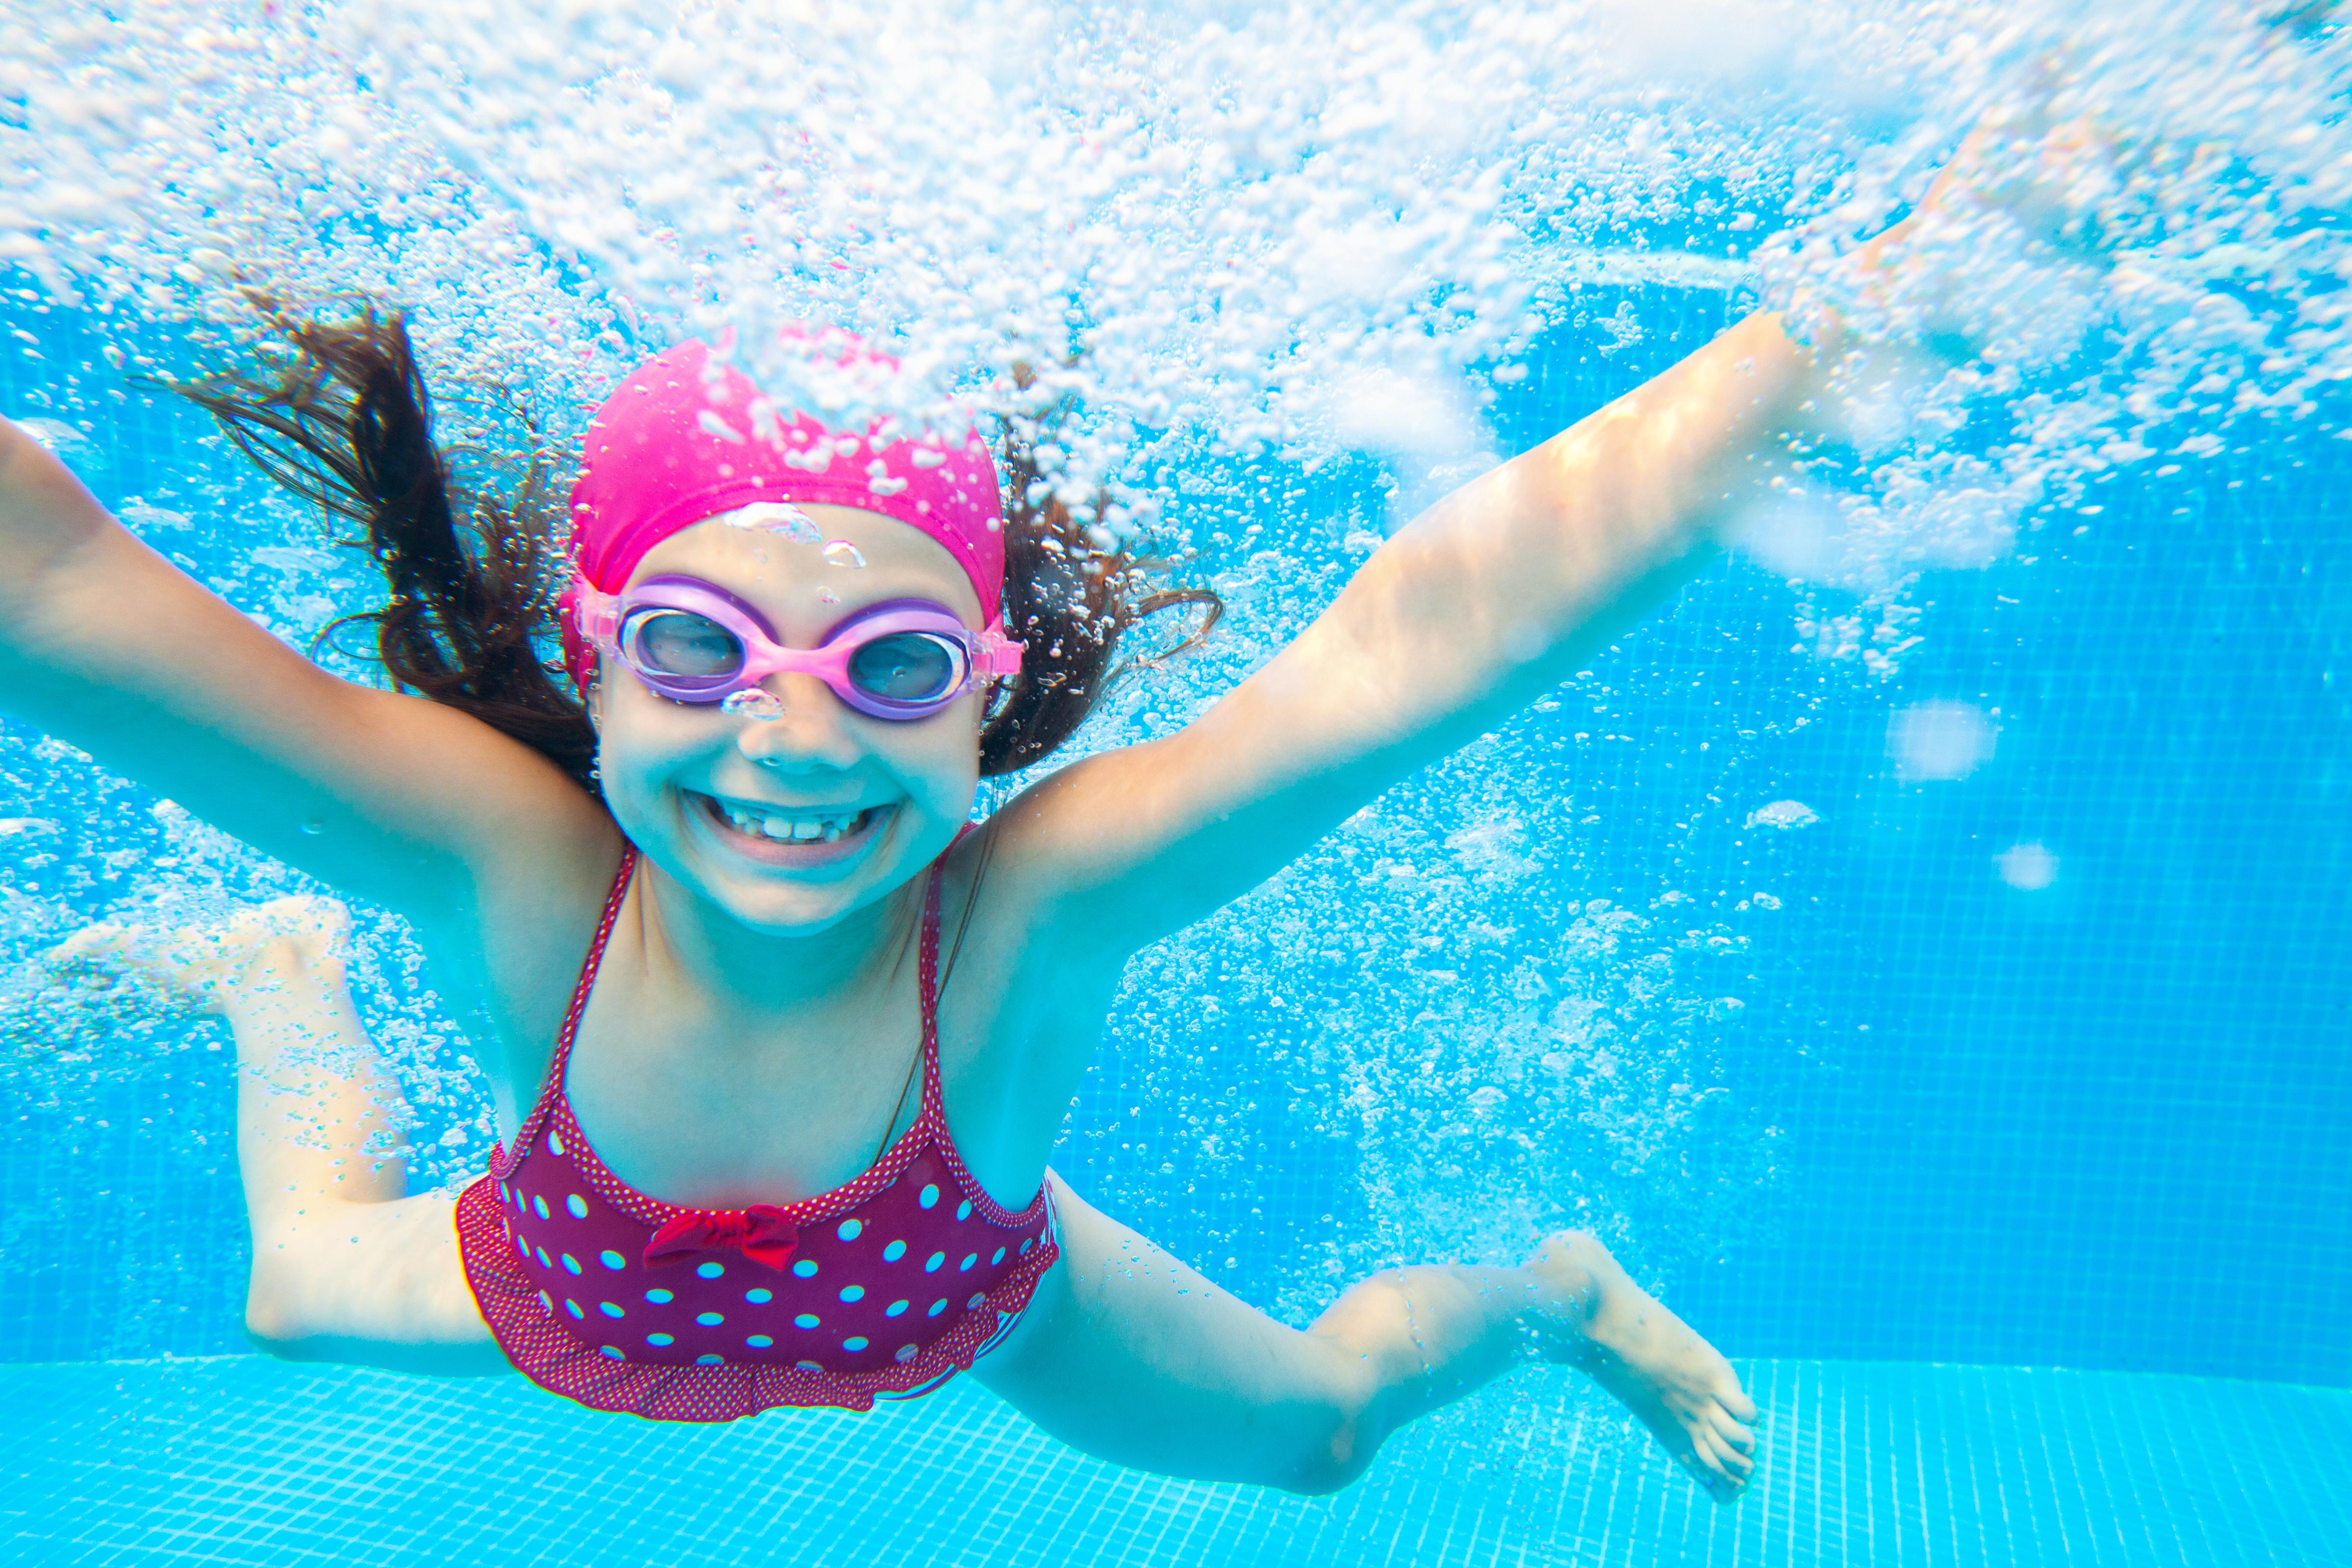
(1478, 607)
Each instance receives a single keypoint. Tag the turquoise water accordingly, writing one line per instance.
(233, 1461)
(1917, 949)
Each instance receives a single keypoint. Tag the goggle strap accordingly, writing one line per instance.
(1000, 655)
(597, 615)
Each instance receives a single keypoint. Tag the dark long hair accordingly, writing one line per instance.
(1071, 600)
(474, 568)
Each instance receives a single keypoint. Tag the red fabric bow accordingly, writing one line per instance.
(762, 1233)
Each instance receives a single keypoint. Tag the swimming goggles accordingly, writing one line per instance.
(693, 641)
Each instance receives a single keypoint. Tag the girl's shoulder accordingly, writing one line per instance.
(516, 950)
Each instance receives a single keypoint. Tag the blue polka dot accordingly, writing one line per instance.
(998, 1258)
(613, 1351)
(708, 1320)
(852, 1292)
(759, 1297)
(849, 1229)
(545, 1261)
(710, 1270)
(660, 1297)
(578, 1206)
(964, 1209)
(659, 1340)
(937, 1307)
(554, 1141)
(710, 1361)
(806, 1268)
(608, 1308)
(759, 1342)
(970, 1258)
(574, 1308)
(894, 1251)
(894, 1309)
(539, 1208)
(805, 1321)
(808, 1366)
(930, 1195)
(854, 1343)
(571, 1263)
(974, 1304)
(612, 1259)
(931, 1264)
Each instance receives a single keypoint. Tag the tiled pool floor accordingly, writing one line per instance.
(244, 1460)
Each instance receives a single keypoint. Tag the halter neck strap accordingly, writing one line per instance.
(928, 968)
(551, 1088)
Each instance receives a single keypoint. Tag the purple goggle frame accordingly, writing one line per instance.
(941, 660)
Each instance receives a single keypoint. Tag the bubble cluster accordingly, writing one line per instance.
(1304, 229)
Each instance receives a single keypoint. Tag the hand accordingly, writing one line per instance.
(2035, 173)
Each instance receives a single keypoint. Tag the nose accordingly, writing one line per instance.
(806, 735)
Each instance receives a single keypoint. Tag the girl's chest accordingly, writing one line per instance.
(704, 1115)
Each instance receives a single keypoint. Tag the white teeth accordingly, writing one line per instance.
(788, 829)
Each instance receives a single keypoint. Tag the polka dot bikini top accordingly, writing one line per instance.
(882, 1288)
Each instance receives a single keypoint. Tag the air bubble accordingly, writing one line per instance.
(753, 703)
(841, 552)
(775, 517)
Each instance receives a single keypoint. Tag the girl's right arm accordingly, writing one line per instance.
(394, 798)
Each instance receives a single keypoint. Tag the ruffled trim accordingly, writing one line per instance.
(546, 1349)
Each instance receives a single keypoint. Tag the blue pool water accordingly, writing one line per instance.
(233, 1461)
(2095, 1126)
(1965, 1047)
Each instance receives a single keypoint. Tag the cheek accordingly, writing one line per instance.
(638, 743)
(937, 762)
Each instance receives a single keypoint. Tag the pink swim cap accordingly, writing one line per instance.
(685, 437)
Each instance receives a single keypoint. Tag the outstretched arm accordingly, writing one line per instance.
(1479, 605)
(400, 800)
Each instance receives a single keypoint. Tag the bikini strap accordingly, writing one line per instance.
(928, 968)
(551, 1088)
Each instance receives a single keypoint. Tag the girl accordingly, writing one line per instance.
(767, 1144)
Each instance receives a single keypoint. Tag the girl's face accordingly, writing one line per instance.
(713, 798)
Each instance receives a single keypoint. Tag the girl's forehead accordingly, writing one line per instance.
(767, 555)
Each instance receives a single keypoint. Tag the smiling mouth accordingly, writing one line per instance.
(791, 834)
